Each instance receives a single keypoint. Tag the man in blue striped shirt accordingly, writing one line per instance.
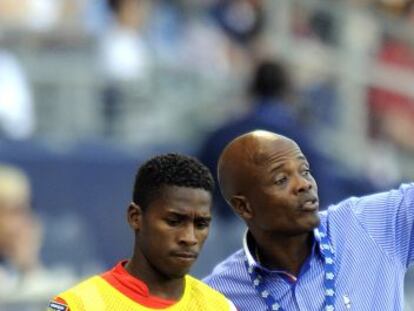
(353, 256)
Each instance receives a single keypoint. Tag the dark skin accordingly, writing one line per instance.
(267, 181)
(169, 234)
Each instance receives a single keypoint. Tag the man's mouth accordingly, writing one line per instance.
(310, 205)
(185, 255)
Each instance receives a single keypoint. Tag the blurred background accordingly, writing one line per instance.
(89, 89)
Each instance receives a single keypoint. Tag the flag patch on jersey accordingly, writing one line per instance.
(56, 306)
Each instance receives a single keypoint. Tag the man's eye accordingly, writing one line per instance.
(202, 224)
(281, 180)
(306, 172)
(173, 222)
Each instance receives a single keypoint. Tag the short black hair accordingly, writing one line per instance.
(171, 169)
(114, 5)
(270, 79)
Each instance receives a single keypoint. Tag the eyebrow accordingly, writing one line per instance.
(278, 167)
(203, 218)
(185, 216)
(302, 157)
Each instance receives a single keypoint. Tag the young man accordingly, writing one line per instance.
(170, 215)
(352, 256)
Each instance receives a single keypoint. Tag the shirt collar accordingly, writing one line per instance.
(133, 287)
(250, 259)
(249, 250)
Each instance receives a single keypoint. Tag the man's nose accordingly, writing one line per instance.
(303, 184)
(188, 235)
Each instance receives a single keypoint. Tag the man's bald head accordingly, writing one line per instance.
(238, 159)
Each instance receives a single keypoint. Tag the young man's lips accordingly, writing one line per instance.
(185, 255)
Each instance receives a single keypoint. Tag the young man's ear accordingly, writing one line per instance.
(241, 206)
(134, 216)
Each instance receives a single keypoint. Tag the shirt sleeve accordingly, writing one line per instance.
(58, 304)
(388, 218)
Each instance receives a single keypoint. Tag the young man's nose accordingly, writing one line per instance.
(188, 235)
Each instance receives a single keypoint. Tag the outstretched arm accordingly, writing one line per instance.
(388, 218)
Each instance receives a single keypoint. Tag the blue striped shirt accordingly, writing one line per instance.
(373, 241)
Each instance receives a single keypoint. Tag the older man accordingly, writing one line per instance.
(354, 255)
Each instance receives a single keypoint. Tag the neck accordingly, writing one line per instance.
(158, 284)
(287, 253)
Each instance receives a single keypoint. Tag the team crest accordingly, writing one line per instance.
(56, 306)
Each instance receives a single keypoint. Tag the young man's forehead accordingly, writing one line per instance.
(185, 200)
(187, 211)
(180, 193)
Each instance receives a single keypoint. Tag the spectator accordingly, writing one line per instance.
(40, 15)
(392, 112)
(243, 23)
(182, 34)
(242, 20)
(124, 55)
(123, 49)
(17, 118)
(22, 275)
(272, 108)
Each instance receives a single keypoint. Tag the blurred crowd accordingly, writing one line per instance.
(268, 64)
(221, 40)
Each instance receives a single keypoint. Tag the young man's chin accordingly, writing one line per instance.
(178, 274)
(176, 270)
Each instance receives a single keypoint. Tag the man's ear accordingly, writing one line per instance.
(134, 216)
(241, 206)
